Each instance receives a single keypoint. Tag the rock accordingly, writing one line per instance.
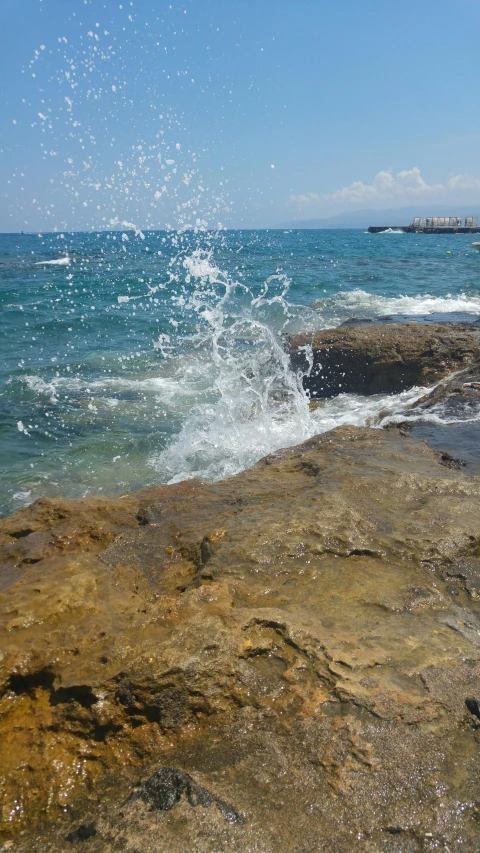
(83, 832)
(473, 706)
(166, 786)
(381, 358)
(295, 638)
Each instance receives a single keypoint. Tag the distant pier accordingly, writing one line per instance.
(433, 225)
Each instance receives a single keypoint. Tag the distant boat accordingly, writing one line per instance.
(476, 245)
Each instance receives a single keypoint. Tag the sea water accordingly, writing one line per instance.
(133, 358)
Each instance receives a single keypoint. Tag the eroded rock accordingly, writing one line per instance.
(381, 358)
(299, 639)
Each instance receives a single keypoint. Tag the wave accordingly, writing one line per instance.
(217, 393)
(359, 303)
(177, 393)
(448, 412)
(57, 262)
(215, 443)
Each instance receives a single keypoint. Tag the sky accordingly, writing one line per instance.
(240, 113)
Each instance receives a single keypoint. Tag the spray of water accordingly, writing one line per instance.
(256, 397)
(258, 404)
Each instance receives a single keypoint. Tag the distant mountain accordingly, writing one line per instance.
(392, 217)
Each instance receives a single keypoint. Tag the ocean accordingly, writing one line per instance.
(134, 358)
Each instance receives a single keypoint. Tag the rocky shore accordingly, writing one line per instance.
(382, 359)
(275, 662)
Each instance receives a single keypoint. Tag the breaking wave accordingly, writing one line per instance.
(57, 262)
(358, 303)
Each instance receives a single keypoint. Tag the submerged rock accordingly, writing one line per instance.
(299, 639)
(381, 358)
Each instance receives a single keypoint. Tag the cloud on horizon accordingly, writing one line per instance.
(387, 188)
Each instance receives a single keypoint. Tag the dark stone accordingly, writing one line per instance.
(450, 461)
(149, 515)
(84, 831)
(167, 785)
(473, 706)
(356, 321)
(164, 788)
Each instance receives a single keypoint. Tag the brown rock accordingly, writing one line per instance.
(383, 358)
(297, 641)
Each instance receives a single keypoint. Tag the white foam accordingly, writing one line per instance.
(198, 265)
(40, 387)
(215, 442)
(360, 303)
(22, 496)
(115, 223)
(177, 393)
(58, 262)
(442, 414)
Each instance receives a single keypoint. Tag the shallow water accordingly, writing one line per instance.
(131, 359)
(460, 440)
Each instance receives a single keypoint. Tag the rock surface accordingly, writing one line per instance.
(382, 358)
(296, 642)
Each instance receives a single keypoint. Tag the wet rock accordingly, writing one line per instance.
(164, 788)
(287, 637)
(167, 785)
(83, 832)
(450, 461)
(381, 358)
(457, 394)
(473, 706)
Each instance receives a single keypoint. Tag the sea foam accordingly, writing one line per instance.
(57, 262)
(359, 303)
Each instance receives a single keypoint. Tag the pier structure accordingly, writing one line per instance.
(434, 225)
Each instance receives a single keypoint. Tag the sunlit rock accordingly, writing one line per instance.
(299, 640)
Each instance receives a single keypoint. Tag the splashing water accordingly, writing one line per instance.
(167, 360)
(260, 404)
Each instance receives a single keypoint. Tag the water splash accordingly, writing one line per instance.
(259, 405)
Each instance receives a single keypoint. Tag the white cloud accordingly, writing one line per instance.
(304, 200)
(463, 182)
(407, 185)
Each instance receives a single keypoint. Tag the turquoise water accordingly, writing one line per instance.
(136, 358)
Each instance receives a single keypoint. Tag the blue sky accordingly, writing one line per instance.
(243, 112)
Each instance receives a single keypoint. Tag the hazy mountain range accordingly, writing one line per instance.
(364, 218)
